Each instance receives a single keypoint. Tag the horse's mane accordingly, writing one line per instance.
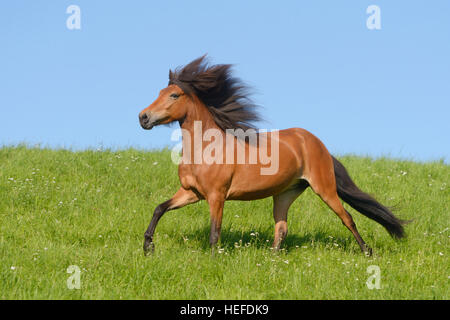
(225, 96)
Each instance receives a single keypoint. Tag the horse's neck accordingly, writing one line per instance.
(197, 117)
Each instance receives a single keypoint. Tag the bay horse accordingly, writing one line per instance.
(212, 96)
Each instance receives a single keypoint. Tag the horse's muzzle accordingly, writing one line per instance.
(145, 122)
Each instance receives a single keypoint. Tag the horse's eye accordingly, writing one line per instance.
(175, 95)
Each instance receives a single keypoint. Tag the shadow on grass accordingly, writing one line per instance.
(233, 239)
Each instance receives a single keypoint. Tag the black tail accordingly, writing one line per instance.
(364, 203)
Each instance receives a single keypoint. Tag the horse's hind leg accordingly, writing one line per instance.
(281, 204)
(329, 195)
(336, 205)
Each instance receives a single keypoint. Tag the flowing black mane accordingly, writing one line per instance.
(225, 96)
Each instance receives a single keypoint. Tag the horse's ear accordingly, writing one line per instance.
(170, 75)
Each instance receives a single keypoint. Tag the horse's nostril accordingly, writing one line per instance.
(144, 116)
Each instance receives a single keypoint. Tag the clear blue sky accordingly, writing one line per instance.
(313, 64)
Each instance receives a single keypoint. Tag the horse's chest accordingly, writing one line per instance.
(188, 179)
(204, 178)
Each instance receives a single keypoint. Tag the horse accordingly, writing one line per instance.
(211, 96)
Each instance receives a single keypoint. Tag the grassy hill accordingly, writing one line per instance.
(90, 209)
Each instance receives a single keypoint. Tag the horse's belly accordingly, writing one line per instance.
(257, 181)
(248, 185)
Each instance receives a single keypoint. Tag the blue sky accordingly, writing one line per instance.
(312, 64)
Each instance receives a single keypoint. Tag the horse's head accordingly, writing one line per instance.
(198, 85)
(170, 106)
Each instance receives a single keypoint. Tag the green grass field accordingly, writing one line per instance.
(91, 208)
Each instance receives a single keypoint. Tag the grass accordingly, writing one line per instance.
(90, 209)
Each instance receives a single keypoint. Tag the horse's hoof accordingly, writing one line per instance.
(368, 252)
(149, 248)
(276, 247)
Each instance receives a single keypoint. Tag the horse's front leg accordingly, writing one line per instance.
(216, 203)
(181, 198)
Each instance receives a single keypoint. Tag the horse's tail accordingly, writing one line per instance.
(364, 203)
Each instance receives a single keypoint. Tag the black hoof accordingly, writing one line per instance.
(149, 248)
(368, 252)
